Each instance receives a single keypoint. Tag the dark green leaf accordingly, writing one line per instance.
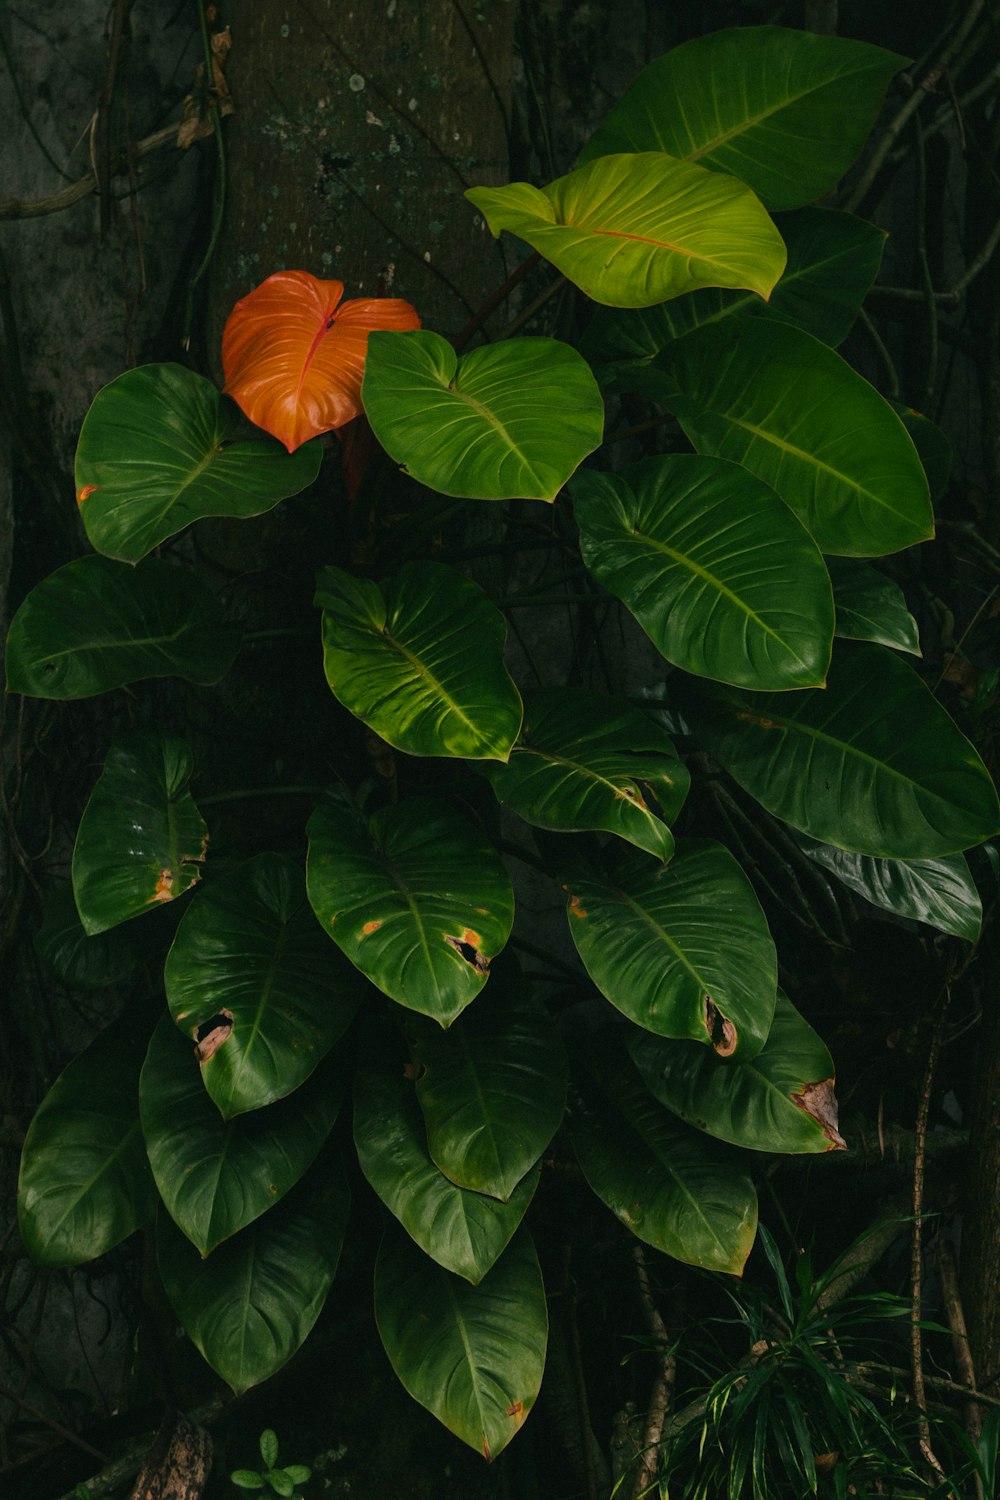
(269, 1447)
(416, 897)
(76, 960)
(156, 452)
(781, 1100)
(931, 444)
(940, 892)
(85, 1184)
(786, 111)
(244, 1479)
(216, 1176)
(472, 1355)
(719, 573)
(250, 949)
(419, 659)
(141, 840)
(681, 949)
(94, 625)
(463, 1231)
(590, 762)
(872, 763)
(252, 1304)
(870, 607)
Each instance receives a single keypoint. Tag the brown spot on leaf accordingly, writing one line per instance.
(211, 1034)
(486, 1448)
(85, 492)
(721, 1031)
(756, 719)
(576, 908)
(370, 927)
(820, 1101)
(517, 1410)
(164, 887)
(468, 947)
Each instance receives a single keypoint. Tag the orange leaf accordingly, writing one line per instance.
(293, 354)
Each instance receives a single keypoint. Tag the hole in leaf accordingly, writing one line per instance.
(211, 1034)
(466, 945)
(721, 1031)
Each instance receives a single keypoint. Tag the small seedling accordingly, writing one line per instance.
(283, 1482)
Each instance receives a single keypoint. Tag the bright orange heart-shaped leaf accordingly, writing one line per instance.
(293, 354)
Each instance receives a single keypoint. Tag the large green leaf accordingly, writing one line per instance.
(94, 625)
(76, 960)
(249, 950)
(252, 1304)
(872, 763)
(157, 452)
(781, 1100)
(940, 892)
(216, 1176)
(587, 762)
(512, 420)
(673, 1188)
(786, 111)
(419, 659)
(141, 840)
(681, 949)
(633, 230)
(463, 1231)
(716, 569)
(833, 259)
(492, 1089)
(416, 898)
(85, 1183)
(870, 607)
(789, 409)
(472, 1355)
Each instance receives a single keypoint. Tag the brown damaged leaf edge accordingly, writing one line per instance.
(221, 1028)
(576, 908)
(721, 1032)
(468, 947)
(820, 1101)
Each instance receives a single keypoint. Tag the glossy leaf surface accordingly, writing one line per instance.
(871, 607)
(716, 569)
(85, 1184)
(833, 259)
(94, 625)
(141, 840)
(872, 763)
(216, 1176)
(294, 354)
(672, 1187)
(787, 111)
(510, 421)
(940, 892)
(415, 897)
(419, 658)
(682, 949)
(590, 762)
(781, 1100)
(492, 1089)
(249, 948)
(777, 401)
(472, 1355)
(157, 452)
(253, 1303)
(465, 1232)
(633, 230)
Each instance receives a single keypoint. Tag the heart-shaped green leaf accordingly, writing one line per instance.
(253, 1303)
(492, 1089)
(463, 1231)
(833, 259)
(872, 763)
(670, 1185)
(790, 410)
(787, 111)
(141, 840)
(940, 892)
(590, 762)
(215, 1176)
(156, 452)
(472, 1355)
(85, 1183)
(511, 421)
(633, 230)
(682, 949)
(718, 572)
(94, 625)
(870, 607)
(781, 1100)
(786, 407)
(76, 960)
(249, 951)
(417, 899)
(419, 659)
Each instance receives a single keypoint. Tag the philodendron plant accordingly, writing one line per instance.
(782, 656)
